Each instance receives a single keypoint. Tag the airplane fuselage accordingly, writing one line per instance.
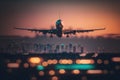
(59, 28)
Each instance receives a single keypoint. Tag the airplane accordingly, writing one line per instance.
(58, 31)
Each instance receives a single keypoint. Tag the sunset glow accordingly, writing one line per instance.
(74, 16)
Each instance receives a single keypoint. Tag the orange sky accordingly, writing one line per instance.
(75, 16)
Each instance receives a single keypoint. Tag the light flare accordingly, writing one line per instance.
(13, 65)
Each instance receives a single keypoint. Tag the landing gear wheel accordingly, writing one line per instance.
(51, 36)
(67, 36)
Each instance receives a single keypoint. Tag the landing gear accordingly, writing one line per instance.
(67, 35)
(51, 36)
(44, 33)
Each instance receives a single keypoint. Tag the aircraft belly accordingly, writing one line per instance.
(59, 33)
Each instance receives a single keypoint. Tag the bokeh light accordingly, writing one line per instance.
(41, 73)
(62, 71)
(26, 65)
(40, 67)
(13, 65)
(94, 72)
(44, 64)
(85, 61)
(51, 72)
(75, 66)
(35, 60)
(76, 72)
(99, 61)
(55, 78)
(116, 59)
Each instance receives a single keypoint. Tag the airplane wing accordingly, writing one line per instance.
(80, 31)
(44, 31)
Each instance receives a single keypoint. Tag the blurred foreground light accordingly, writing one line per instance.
(44, 63)
(54, 78)
(94, 72)
(75, 66)
(13, 65)
(26, 65)
(41, 73)
(116, 59)
(70, 61)
(62, 71)
(40, 67)
(51, 72)
(99, 61)
(33, 65)
(76, 72)
(65, 61)
(35, 60)
(50, 61)
(85, 61)
(55, 61)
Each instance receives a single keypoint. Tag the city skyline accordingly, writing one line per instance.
(38, 43)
